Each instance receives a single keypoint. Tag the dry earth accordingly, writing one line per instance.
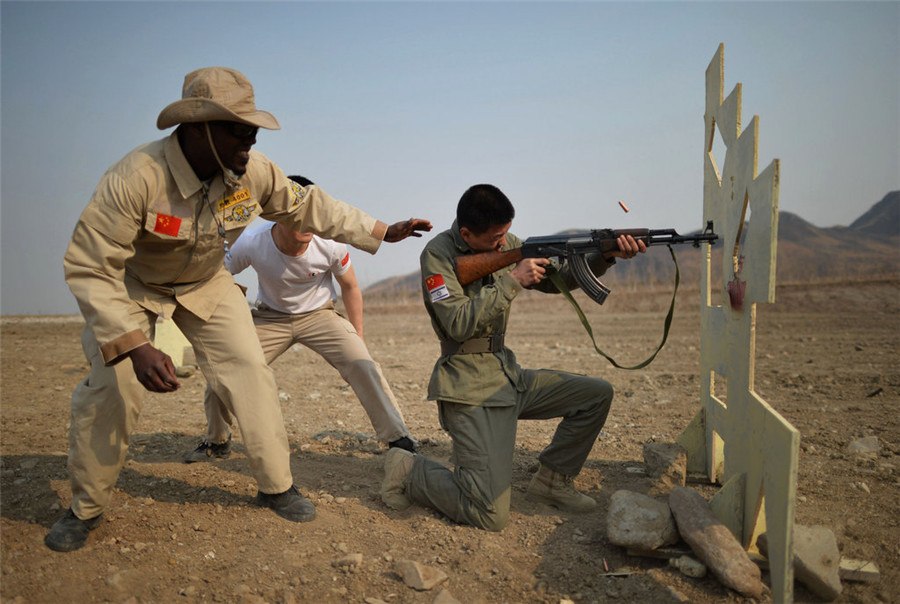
(827, 359)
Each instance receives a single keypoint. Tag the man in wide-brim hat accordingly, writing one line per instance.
(150, 244)
(216, 94)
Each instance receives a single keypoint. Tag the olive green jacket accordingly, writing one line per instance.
(477, 310)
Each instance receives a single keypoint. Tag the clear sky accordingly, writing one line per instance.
(398, 107)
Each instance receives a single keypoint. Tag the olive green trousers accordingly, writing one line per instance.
(477, 490)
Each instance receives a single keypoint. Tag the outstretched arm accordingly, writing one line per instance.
(407, 228)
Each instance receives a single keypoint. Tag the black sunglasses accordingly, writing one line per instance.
(239, 130)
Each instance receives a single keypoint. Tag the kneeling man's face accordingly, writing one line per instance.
(489, 241)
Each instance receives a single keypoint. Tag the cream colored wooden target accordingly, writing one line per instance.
(736, 438)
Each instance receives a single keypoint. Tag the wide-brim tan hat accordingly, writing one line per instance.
(216, 93)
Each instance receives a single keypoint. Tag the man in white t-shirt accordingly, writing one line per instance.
(296, 305)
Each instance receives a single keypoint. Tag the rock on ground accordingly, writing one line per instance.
(638, 521)
(420, 577)
(713, 543)
(817, 560)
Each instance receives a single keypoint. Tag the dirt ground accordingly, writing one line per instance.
(827, 359)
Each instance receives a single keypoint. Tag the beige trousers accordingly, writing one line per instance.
(333, 337)
(107, 404)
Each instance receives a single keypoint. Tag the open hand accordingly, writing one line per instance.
(407, 228)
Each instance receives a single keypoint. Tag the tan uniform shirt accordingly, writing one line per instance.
(150, 235)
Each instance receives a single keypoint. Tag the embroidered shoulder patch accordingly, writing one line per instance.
(167, 225)
(298, 193)
(345, 259)
(436, 288)
(240, 214)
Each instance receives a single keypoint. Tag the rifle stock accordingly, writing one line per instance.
(472, 267)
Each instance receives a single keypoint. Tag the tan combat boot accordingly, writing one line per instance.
(557, 490)
(397, 465)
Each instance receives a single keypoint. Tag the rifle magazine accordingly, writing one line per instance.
(587, 281)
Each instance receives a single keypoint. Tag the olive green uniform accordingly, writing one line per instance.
(482, 395)
(150, 243)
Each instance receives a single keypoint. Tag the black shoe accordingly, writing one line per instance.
(290, 505)
(207, 450)
(403, 443)
(70, 532)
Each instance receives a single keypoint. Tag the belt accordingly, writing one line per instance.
(492, 343)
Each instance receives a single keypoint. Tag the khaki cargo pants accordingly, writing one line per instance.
(107, 404)
(477, 491)
(331, 336)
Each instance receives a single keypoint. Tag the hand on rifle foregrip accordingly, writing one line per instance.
(628, 247)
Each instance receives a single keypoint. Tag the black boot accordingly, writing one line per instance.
(405, 443)
(290, 505)
(208, 450)
(70, 532)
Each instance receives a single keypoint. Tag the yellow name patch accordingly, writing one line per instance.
(242, 195)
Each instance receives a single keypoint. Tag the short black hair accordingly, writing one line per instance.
(482, 207)
(301, 180)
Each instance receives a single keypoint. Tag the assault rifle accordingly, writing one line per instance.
(575, 249)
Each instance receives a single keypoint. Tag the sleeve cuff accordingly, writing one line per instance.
(379, 230)
(509, 286)
(115, 351)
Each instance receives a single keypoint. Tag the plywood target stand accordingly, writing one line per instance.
(736, 438)
(169, 339)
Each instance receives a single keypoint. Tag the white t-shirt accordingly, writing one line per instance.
(289, 284)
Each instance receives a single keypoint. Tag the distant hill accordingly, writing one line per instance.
(883, 219)
(868, 248)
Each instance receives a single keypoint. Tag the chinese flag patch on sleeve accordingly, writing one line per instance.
(436, 288)
(345, 259)
(167, 225)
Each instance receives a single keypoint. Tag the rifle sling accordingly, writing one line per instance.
(561, 286)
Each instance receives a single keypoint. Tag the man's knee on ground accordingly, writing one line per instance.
(494, 520)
